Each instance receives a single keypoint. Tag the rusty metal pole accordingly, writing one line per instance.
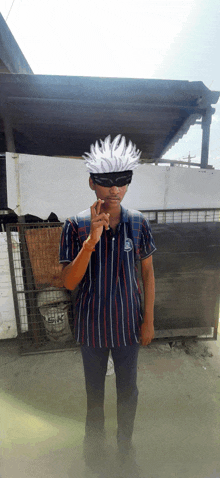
(206, 123)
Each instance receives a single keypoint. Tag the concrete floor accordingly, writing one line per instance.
(177, 428)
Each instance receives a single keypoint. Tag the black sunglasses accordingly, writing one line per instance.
(108, 180)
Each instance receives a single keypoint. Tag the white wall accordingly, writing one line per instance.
(40, 185)
(164, 187)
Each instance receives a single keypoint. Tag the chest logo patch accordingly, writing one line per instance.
(128, 245)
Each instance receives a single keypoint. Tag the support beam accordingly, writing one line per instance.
(151, 106)
(206, 123)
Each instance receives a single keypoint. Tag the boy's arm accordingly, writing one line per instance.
(73, 272)
(147, 273)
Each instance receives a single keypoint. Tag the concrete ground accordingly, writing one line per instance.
(177, 428)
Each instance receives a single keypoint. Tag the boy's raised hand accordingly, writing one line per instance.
(98, 221)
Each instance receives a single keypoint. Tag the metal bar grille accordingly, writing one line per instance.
(182, 215)
(43, 308)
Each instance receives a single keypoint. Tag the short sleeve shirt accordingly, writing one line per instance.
(108, 305)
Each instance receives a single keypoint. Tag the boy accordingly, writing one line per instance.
(101, 259)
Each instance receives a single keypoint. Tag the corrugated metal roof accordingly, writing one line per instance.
(12, 59)
(61, 115)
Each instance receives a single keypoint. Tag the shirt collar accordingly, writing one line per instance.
(124, 215)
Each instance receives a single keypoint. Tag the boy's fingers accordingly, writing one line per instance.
(98, 206)
(95, 208)
(98, 218)
(99, 221)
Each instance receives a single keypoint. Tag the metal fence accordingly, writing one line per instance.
(170, 216)
(43, 308)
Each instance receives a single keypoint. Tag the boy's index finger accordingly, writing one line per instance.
(93, 210)
(98, 206)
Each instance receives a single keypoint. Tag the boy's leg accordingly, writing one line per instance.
(95, 367)
(125, 363)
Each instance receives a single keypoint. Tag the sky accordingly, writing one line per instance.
(160, 39)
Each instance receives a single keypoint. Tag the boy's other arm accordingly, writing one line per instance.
(147, 273)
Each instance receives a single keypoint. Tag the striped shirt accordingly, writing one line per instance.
(108, 302)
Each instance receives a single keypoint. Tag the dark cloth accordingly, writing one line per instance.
(95, 363)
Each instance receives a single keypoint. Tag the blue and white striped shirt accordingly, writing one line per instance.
(108, 302)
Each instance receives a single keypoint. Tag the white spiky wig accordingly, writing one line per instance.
(112, 157)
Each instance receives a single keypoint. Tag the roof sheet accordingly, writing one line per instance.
(11, 57)
(62, 115)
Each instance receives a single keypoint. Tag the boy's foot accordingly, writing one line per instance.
(126, 458)
(126, 449)
(94, 451)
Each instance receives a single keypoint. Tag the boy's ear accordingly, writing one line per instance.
(91, 184)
